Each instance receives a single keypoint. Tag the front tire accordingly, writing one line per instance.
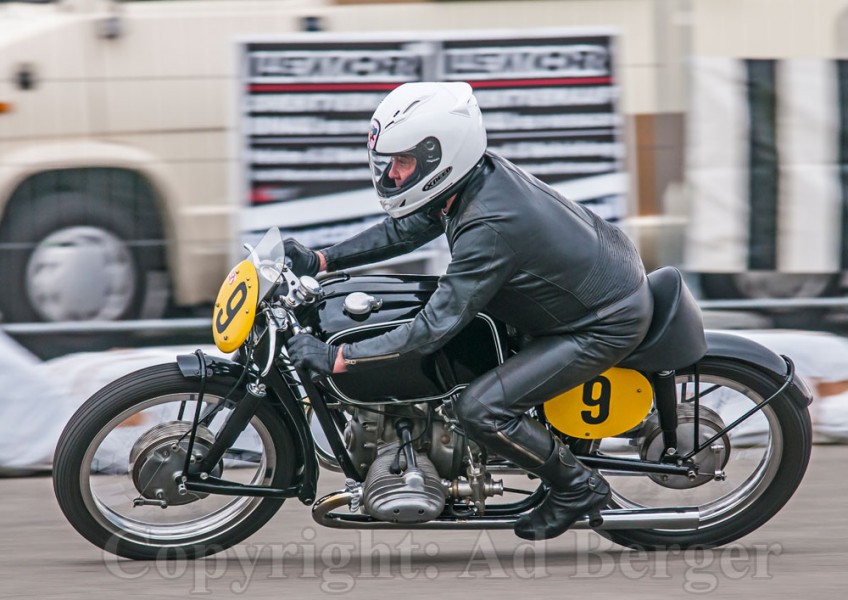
(768, 458)
(95, 481)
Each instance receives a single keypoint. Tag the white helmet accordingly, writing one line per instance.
(440, 125)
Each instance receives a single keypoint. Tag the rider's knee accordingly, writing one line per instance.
(470, 412)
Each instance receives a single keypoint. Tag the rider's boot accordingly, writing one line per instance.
(575, 491)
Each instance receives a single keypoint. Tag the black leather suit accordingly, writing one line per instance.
(543, 264)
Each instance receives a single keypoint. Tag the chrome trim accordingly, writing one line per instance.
(347, 400)
(366, 327)
(617, 518)
(329, 380)
(192, 528)
(491, 323)
(272, 343)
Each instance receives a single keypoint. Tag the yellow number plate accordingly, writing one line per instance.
(235, 308)
(612, 403)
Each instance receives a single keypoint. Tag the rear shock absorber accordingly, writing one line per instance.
(665, 397)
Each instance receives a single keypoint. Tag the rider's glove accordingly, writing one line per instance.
(308, 352)
(303, 260)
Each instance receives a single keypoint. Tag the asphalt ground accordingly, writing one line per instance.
(801, 553)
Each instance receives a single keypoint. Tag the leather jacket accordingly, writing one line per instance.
(519, 250)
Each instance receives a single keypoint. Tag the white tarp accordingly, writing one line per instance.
(38, 398)
(822, 359)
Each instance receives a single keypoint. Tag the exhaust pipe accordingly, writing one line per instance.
(614, 518)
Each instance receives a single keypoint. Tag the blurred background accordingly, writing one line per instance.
(142, 142)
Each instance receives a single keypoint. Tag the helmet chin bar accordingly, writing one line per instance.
(428, 156)
(440, 200)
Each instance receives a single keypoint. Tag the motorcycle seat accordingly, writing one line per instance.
(676, 336)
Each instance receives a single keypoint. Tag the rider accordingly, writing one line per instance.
(571, 282)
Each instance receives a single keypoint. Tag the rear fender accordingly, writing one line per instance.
(730, 346)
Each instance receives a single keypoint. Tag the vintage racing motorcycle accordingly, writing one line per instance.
(703, 437)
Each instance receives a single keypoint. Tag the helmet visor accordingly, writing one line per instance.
(393, 174)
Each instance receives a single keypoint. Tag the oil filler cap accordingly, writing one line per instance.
(360, 303)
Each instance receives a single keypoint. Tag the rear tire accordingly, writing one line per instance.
(731, 517)
(118, 407)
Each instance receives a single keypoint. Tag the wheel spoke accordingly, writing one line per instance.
(750, 453)
(122, 466)
(118, 467)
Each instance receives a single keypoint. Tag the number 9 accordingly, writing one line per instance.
(602, 401)
(233, 306)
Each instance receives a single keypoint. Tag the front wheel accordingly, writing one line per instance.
(762, 460)
(116, 468)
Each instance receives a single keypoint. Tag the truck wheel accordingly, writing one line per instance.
(66, 257)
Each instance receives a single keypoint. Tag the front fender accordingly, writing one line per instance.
(721, 344)
(216, 366)
(289, 410)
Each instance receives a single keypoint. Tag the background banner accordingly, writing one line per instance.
(767, 148)
(549, 101)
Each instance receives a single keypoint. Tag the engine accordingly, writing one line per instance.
(405, 493)
(415, 463)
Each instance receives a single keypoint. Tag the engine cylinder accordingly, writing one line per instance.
(415, 495)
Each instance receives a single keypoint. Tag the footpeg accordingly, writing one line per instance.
(596, 519)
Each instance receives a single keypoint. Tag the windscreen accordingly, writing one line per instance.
(269, 259)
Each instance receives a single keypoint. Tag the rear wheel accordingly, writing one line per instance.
(762, 460)
(117, 460)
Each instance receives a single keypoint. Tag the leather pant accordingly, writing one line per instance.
(492, 409)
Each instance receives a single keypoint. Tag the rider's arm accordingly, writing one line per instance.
(482, 262)
(384, 240)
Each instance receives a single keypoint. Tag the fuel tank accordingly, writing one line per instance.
(392, 301)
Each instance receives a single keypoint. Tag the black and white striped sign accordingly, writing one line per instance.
(767, 148)
(550, 104)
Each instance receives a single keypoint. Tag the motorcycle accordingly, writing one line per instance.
(703, 436)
